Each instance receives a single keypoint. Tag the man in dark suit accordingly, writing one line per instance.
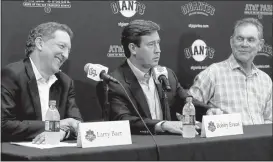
(140, 41)
(29, 84)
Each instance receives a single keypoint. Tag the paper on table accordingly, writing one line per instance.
(44, 146)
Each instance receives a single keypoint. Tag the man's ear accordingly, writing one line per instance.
(39, 43)
(261, 45)
(132, 48)
(231, 41)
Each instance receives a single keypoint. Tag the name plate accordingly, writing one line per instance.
(221, 125)
(106, 133)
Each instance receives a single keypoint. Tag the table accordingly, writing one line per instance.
(254, 144)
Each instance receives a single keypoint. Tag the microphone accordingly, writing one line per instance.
(160, 75)
(98, 72)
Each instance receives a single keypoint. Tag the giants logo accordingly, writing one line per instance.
(199, 51)
(128, 8)
(200, 8)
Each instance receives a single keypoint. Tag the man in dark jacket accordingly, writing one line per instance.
(29, 84)
(140, 40)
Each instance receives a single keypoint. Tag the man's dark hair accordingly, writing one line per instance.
(134, 30)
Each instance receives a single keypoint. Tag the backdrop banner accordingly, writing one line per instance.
(193, 35)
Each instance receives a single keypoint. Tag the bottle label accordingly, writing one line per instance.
(52, 126)
(188, 119)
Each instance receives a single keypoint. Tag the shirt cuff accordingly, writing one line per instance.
(268, 122)
(158, 127)
(66, 130)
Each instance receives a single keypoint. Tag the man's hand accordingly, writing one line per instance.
(65, 122)
(40, 138)
(172, 127)
(74, 124)
(70, 122)
(215, 111)
(179, 116)
(198, 125)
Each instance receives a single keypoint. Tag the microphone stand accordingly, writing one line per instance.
(106, 105)
(165, 101)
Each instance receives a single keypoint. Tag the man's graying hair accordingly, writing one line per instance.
(252, 21)
(44, 31)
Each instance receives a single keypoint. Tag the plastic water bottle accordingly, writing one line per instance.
(188, 119)
(52, 124)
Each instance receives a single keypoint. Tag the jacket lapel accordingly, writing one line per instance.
(136, 90)
(159, 90)
(33, 89)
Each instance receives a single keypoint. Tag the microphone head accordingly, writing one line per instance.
(98, 72)
(158, 71)
(102, 73)
(94, 71)
(86, 67)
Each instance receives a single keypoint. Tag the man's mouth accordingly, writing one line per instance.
(244, 51)
(59, 59)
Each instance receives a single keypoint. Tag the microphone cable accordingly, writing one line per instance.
(157, 149)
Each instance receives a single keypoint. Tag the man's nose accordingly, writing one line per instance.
(157, 48)
(65, 54)
(245, 42)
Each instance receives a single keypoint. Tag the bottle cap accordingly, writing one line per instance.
(52, 102)
(189, 99)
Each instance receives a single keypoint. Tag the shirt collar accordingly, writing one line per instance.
(141, 76)
(38, 75)
(234, 65)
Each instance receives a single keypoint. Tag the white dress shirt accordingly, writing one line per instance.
(43, 88)
(149, 88)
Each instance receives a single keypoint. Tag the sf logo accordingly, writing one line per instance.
(92, 72)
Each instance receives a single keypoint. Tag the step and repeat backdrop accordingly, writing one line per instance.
(194, 34)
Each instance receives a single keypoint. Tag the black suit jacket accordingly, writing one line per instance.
(20, 102)
(122, 109)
